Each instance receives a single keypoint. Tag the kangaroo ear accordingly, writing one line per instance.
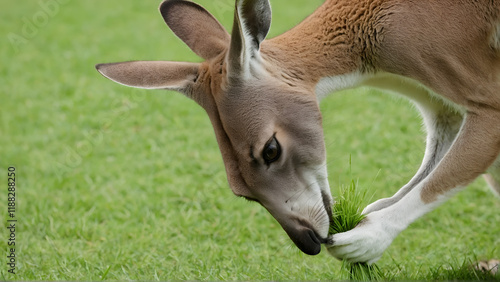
(176, 76)
(252, 21)
(196, 27)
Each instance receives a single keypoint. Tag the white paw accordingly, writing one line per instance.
(365, 243)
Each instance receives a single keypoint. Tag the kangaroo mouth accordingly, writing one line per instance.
(304, 235)
(306, 239)
(302, 232)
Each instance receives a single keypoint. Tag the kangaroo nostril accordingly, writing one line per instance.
(305, 239)
(313, 236)
(316, 247)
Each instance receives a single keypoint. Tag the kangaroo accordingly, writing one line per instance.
(262, 98)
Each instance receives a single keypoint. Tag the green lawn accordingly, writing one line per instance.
(123, 184)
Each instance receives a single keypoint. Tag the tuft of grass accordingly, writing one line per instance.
(346, 215)
(347, 209)
(362, 272)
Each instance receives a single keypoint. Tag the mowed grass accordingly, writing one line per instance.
(121, 184)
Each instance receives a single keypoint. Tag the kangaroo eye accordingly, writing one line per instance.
(272, 151)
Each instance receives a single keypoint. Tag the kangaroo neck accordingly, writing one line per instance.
(340, 37)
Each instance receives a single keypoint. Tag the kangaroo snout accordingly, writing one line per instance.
(306, 223)
(306, 239)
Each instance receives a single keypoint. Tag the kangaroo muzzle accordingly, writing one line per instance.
(305, 239)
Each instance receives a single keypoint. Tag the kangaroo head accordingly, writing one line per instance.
(269, 132)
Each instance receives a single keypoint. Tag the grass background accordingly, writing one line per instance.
(123, 184)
